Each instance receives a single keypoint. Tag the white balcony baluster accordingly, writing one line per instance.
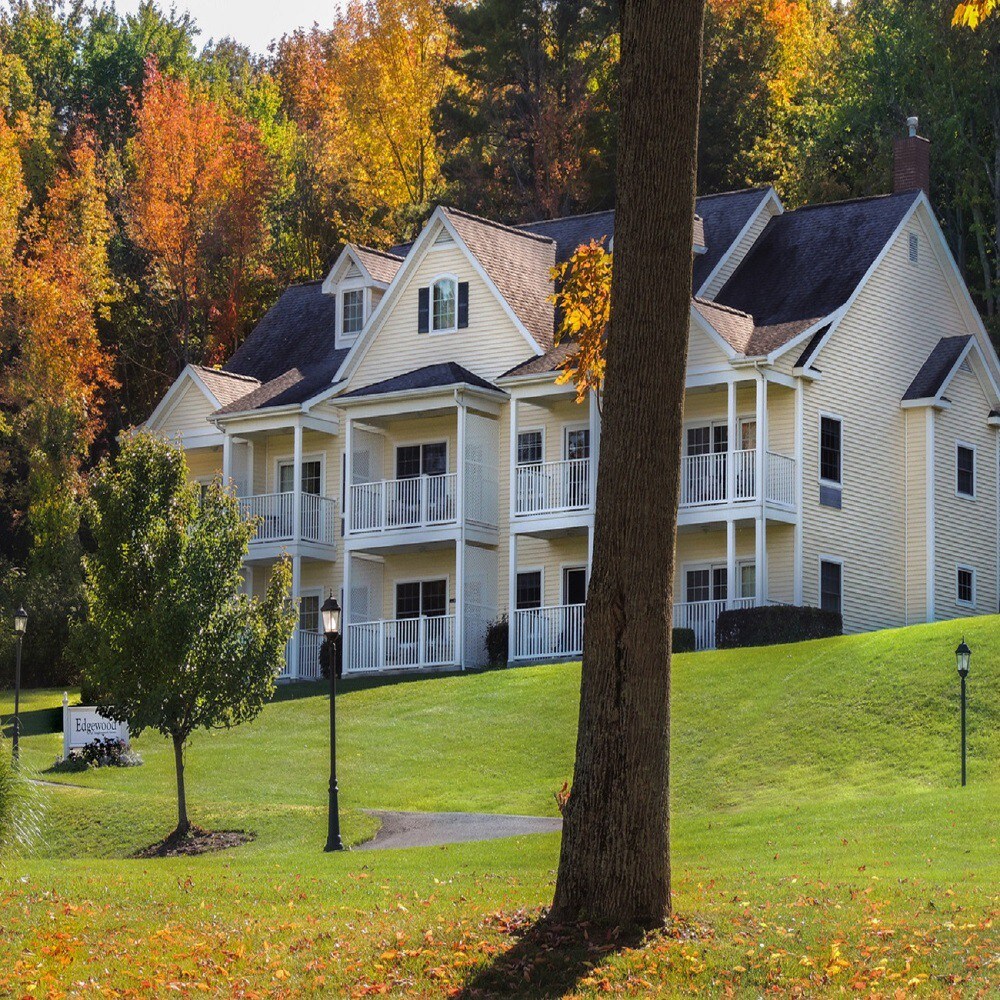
(549, 487)
(550, 631)
(400, 644)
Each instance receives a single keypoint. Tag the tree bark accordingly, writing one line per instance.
(183, 824)
(614, 866)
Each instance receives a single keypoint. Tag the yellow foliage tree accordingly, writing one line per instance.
(973, 12)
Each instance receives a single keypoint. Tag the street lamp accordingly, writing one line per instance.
(962, 656)
(20, 627)
(330, 613)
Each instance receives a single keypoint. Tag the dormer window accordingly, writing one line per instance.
(353, 312)
(444, 312)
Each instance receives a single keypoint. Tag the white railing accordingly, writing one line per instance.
(276, 514)
(400, 644)
(404, 503)
(780, 479)
(551, 631)
(302, 656)
(548, 487)
(705, 478)
(701, 616)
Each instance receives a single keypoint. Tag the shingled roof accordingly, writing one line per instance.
(574, 231)
(291, 351)
(807, 263)
(723, 217)
(227, 387)
(382, 265)
(429, 377)
(519, 263)
(935, 370)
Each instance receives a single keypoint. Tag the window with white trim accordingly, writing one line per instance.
(529, 447)
(965, 586)
(353, 312)
(965, 471)
(444, 305)
(831, 586)
(528, 590)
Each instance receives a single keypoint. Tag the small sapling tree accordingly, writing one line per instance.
(172, 642)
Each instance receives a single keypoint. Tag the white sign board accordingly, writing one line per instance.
(82, 724)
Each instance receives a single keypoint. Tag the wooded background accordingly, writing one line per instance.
(156, 193)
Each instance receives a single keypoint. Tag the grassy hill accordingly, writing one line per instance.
(825, 771)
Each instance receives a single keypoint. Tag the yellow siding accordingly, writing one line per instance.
(867, 366)
(702, 349)
(965, 530)
(490, 346)
(204, 462)
(551, 555)
(436, 564)
(189, 412)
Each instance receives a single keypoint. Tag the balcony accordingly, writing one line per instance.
(400, 644)
(552, 487)
(705, 479)
(419, 502)
(555, 632)
(276, 514)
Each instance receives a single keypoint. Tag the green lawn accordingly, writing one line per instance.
(820, 841)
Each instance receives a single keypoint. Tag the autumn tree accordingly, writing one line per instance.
(175, 645)
(973, 12)
(197, 207)
(614, 864)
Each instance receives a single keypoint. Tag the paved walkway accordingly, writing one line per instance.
(413, 829)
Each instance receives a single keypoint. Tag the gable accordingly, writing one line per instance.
(732, 256)
(703, 349)
(489, 346)
(183, 414)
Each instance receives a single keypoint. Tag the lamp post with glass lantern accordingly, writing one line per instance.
(330, 613)
(20, 627)
(962, 657)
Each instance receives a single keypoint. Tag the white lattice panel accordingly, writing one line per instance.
(482, 481)
(481, 572)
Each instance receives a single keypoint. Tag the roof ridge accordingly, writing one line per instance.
(725, 194)
(498, 225)
(565, 218)
(722, 308)
(375, 250)
(853, 201)
(228, 374)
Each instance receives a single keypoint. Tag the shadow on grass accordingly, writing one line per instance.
(548, 959)
(33, 723)
(292, 690)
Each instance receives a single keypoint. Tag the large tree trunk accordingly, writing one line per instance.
(183, 824)
(615, 866)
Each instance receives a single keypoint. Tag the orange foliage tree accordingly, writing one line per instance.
(197, 206)
(583, 302)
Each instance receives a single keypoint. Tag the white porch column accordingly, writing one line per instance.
(797, 529)
(461, 462)
(293, 670)
(595, 450)
(348, 474)
(760, 476)
(227, 457)
(345, 618)
(732, 442)
(512, 598)
(512, 466)
(760, 560)
(297, 487)
(460, 600)
(731, 582)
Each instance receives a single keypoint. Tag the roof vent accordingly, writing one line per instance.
(443, 237)
(912, 124)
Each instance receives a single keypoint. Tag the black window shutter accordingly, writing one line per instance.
(423, 310)
(463, 304)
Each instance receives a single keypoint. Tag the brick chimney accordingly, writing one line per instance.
(911, 161)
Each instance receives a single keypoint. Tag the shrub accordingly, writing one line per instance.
(105, 752)
(327, 651)
(683, 641)
(769, 626)
(497, 641)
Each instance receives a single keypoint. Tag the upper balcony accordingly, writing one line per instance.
(415, 502)
(706, 479)
(317, 522)
(552, 487)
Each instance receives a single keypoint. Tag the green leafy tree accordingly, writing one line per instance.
(176, 646)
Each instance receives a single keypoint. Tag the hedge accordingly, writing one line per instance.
(683, 641)
(772, 625)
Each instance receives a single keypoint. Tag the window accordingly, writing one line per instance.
(707, 583)
(529, 448)
(311, 477)
(414, 460)
(425, 597)
(354, 312)
(965, 590)
(444, 305)
(529, 590)
(830, 450)
(707, 439)
(965, 470)
(831, 586)
(574, 585)
(748, 580)
(914, 248)
(309, 613)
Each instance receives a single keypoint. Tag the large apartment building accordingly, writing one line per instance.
(398, 430)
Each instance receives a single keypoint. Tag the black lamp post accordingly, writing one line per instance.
(20, 627)
(962, 656)
(331, 626)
